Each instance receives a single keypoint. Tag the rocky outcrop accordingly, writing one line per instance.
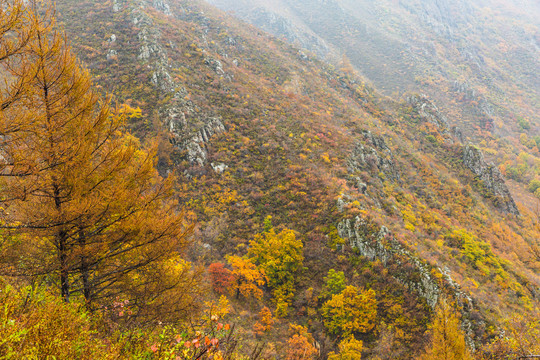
(443, 16)
(196, 144)
(373, 155)
(189, 131)
(215, 65)
(470, 94)
(163, 6)
(190, 136)
(282, 27)
(491, 178)
(381, 245)
(481, 108)
(458, 134)
(428, 112)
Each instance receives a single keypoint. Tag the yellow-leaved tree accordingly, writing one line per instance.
(447, 338)
(349, 349)
(81, 196)
(280, 256)
(352, 311)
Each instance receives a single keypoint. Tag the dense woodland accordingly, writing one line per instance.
(177, 184)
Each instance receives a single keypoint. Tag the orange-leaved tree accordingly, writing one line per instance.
(83, 198)
(447, 337)
(265, 323)
(246, 278)
(15, 32)
(300, 345)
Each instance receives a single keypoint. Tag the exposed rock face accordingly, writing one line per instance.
(219, 168)
(458, 134)
(491, 177)
(193, 136)
(428, 112)
(196, 145)
(215, 65)
(383, 246)
(470, 94)
(443, 16)
(162, 6)
(483, 110)
(374, 156)
(189, 132)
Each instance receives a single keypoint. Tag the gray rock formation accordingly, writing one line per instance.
(196, 145)
(373, 155)
(458, 134)
(483, 109)
(189, 132)
(471, 94)
(215, 65)
(219, 167)
(282, 27)
(491, 177)
(443, 16)
(381, 245)
(428, 112)
(162, 6)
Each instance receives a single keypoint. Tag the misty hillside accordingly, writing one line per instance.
(485, 51)
(356, 174)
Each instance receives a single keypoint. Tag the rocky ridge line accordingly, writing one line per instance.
(189, 132)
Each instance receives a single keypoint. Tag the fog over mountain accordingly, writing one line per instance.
(433, 46)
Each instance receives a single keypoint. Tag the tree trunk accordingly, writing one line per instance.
(84, 269)
(64, 270)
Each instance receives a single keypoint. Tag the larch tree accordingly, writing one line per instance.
(84, 200)
(447, 337)
(15, 32)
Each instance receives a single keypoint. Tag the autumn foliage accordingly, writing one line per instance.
(220, 277)
(99, 256)
(246, 278)
(81, 197)
(447, 337)
(352, 311)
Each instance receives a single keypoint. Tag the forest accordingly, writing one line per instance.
(177, 184)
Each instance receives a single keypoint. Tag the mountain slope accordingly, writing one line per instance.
(476, 59)
(380, 189)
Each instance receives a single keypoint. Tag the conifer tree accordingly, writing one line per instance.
(448, 339)
(83, 198)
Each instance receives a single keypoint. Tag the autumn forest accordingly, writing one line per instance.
(269, 180)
